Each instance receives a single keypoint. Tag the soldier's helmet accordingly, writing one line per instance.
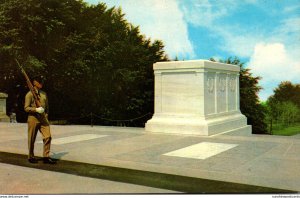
(39, 78)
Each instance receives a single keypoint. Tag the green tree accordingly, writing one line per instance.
(249, 102)
(93, 59)
(289, 113)
(284, 105)
(36, 32)
(287, 91)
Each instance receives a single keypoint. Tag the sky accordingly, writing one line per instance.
(264, 34)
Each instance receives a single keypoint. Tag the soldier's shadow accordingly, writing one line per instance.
(54, 156)
(59, 155)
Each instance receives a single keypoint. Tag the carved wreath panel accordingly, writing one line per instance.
(222, 84)
(232, 84)
(210, 83)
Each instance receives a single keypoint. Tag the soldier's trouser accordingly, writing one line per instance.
(33, 127)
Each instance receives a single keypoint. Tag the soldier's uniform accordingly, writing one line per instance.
(37, 122)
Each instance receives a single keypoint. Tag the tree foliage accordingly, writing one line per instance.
(93, 59)
(249, 101)
(287, 91)
(284, 106)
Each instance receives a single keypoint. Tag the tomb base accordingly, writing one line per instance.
(176, 124)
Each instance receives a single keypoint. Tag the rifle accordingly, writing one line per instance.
(31, 88)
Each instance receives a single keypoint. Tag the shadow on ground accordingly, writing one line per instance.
(151, 179)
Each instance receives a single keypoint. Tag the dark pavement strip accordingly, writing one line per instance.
(145, 178)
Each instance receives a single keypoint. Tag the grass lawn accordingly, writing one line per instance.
(286, 130)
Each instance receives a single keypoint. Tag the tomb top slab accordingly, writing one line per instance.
(195, 64)
(3, 95)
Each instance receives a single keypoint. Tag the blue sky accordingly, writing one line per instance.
(265, 34)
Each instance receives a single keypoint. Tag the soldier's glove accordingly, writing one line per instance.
(40, 110)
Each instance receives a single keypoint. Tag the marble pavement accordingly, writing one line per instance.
(260, 160)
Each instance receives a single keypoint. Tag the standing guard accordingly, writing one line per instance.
(38, 121)
(36, 105)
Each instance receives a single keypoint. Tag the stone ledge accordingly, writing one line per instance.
(4, 118)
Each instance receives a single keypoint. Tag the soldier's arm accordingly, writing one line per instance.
(46, 105)
(27, 106)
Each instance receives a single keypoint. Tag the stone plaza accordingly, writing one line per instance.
(160, 162)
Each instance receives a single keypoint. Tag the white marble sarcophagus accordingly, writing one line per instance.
(197, 97)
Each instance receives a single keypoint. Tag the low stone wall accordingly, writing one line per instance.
(3, 116)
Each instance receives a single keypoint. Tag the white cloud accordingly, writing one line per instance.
(274, 54)
(252, 1)
(202, 12)
(159, 19)
(272, 59)
(291, 8)
(236, 39)
(289, 33)
(238, 43)
(273, 62)
(277, 58)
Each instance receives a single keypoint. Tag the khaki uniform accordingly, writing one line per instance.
(37, 122)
